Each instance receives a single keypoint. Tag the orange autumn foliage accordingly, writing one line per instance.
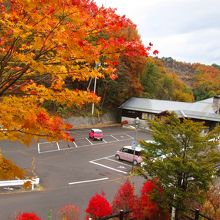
(43, 43)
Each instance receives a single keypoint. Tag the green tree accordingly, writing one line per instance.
(149, 80)
(159, 82)
(182, 159)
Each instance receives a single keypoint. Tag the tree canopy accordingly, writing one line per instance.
(44, 43)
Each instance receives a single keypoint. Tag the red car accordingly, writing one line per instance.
(96, 134)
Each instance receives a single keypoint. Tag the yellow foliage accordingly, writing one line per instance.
(8, 170)
(42, 45)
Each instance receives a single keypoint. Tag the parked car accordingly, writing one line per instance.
(96, 134)
(127, 153)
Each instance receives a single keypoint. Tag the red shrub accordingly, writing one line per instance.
(27, 216)
(151, 195)
(98, 207)
(125, 199)
(69, 212)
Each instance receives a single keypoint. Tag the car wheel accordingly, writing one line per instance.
(135, 162)
(117, 157)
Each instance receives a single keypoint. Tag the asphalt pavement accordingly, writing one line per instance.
(70, 173)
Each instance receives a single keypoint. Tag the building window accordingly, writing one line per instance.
(147, 116)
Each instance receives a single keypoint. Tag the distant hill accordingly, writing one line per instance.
(185, 71)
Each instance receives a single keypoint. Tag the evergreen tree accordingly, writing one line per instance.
(182, 158)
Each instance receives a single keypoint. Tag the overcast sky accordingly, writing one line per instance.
(186, 30)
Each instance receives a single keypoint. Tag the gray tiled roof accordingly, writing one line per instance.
(198, 115)
(199, 110)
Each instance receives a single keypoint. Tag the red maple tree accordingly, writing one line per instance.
(126, 199)
(98, 207)
(151, 193)
(27, 216)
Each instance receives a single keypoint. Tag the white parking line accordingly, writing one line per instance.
(78, 146)
(75, 144)
(38, 148)
(120, 171)
(116, 161)
(89, 181)
(47, 142)
(130, 136)
(48, 151)
(104, 157)
(58, 146)
(114, 137)
(89, 141)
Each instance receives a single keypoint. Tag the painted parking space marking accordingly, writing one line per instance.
(82, 141)
(115, 165)
(58, 146)
(89, 181)
(111, 168)
(75, 144)
(116, 161)
(130, 136)
(104, 141)
(47, 147)
(89, 141)
(114, 137)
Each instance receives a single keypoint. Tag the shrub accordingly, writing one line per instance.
(125, 199)
(151, 199)
(9, 170)
(69, 212)
(211, 205)
(98, 207)
(27, 216)
(27, 185)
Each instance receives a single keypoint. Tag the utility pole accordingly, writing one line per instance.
(136, 123)
(94, 90)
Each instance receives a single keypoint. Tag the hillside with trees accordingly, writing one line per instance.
(204, 80)
(159, 78)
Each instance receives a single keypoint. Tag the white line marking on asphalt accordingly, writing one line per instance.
(103, 158)
(114, 137)
(104, 141)
(120, 171)
(89, 181)
(58, 146)
(129, 136)
(47, 142)
(48, 151)
(38, 148)
(116, 161)
(84, 145)
(75, 144)
(89, 141)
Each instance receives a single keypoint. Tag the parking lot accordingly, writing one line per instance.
(107, 162)
(71, 172)
(111, 163)
(47, 147)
